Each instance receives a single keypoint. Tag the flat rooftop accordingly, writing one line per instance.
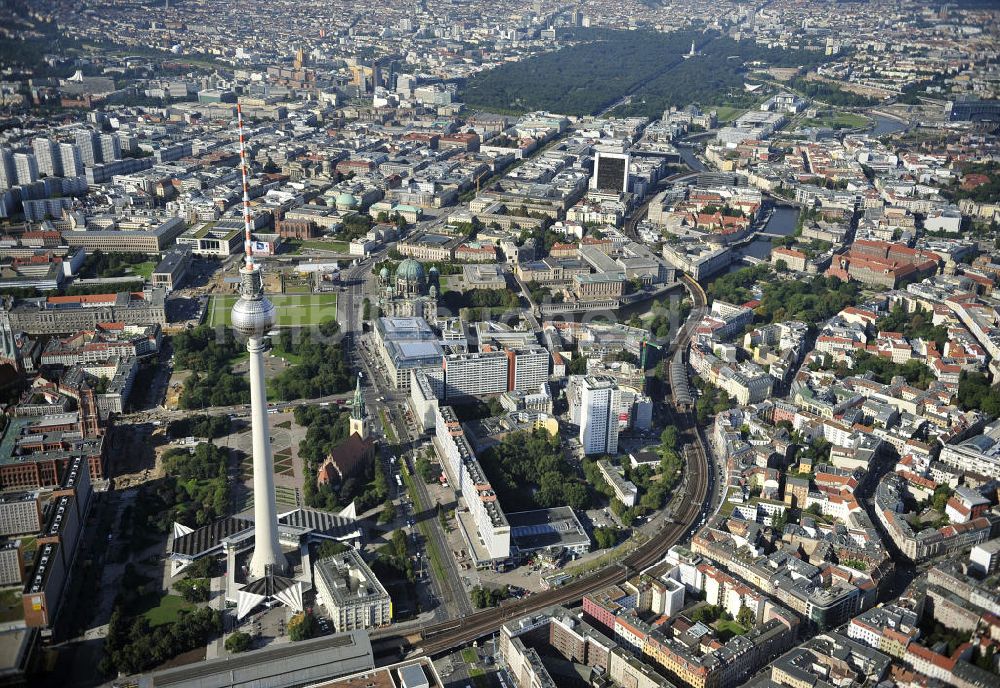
(282, 666)
(546, 528)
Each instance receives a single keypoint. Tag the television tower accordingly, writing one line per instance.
(253, 316)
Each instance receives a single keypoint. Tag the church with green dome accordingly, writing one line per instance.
(409, 290)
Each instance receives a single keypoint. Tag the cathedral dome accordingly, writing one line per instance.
(411, 271)
(346, 201)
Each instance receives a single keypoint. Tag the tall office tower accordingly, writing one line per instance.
(90, 147)
(598, 415)
(25, 168)
(8, 174)
(405, 83)
(610, 169)
(111, 148)
(253, 316)
(47, 157)
(72, 163)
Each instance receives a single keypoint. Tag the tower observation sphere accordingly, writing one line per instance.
(253, 314)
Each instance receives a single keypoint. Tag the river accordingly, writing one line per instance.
(783, 221)
(886, 125)
(687, 155)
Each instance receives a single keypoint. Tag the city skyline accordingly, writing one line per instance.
(628, 344)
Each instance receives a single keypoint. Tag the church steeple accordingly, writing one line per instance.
(359, 424)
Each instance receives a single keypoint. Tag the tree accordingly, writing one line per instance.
(193, 589)
(132, 645)
(578, 365)
(745, 617)
(779, 521)
(322, 367)
(707, 613)
(302, 626)
(488, 597)
(605, 537)
(976, 393)
(206, 567)
(238, 642)
(528, 471)
(941, 496)
(425, 470)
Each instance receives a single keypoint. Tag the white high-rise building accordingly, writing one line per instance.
(72, 162)
(111, 148)
(25, 168)
(89, 144)
(529, 368)
(598, 414)
(8, 174)
(475, 374)
(47, 157)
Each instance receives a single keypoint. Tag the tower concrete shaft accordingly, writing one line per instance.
(267, 555)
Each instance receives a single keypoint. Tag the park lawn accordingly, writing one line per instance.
(292, 359)
(318, 245)
(167, 611)
(727, 113)
(728, 625)
(294, 310)
(144, 269)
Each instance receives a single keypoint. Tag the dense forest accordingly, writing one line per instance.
(609, 65)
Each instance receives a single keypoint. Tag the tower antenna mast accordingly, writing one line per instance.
(247, 222)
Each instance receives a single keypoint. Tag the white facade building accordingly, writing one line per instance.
(598, 417)
(351, 594)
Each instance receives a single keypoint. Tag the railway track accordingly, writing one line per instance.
(438, 638)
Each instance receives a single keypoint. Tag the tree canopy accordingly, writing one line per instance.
(528, 471)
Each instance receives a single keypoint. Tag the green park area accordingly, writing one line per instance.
(294, 310)
(167, 610)
(727, 113)
(298, 245)
(603, 66)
